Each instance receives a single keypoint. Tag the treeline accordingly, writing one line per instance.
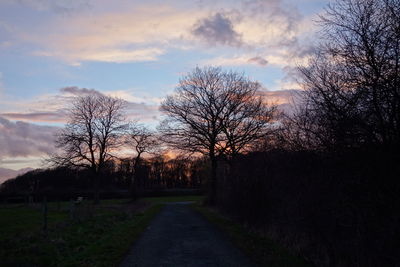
(334, 209)
(155, 175)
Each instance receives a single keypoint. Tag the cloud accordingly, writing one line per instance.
(236, 60)
(58, 6)
(258, 60)
(286, 100)
(246, 59)
(122, 56)
(217, 29)
(144, 32)
(54, 108)
(74, 90)
(135, 107)
(282, 58)
(280, 96)
(135, 97)
(6, 174)
(58, 116)
(138, 33)
(107, 55)
(250, 31)
(21, 139)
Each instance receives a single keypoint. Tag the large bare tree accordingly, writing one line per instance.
(214, 112)
(246, 118)
(91, 135)
(352, 95)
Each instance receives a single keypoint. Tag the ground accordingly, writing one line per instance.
(179, 236)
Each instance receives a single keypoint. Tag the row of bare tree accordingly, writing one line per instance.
(351, 99)
(155, 175)
(213, 113)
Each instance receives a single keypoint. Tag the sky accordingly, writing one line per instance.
(54, 50)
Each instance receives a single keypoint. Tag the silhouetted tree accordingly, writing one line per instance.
(142, 140)
(352, 95)
(92, 133)
(214, 112)
(245, 118)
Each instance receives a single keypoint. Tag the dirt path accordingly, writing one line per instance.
(179, 236)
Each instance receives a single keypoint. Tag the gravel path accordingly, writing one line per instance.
(179, 236)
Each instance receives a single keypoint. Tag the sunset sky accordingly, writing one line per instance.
(53, 50)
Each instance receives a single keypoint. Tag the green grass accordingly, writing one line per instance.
(19, 220)
(101, 237)
(261, 250)
(107, 241)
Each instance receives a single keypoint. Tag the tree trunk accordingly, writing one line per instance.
(96, 178)
(212, 194)
(134, 181)
(133, 187)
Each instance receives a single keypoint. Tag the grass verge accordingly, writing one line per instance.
(261, 250)
(99, 240)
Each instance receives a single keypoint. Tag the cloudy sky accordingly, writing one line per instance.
(53, 50)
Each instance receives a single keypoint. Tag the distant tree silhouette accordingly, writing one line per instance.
(352, 84)
(96, 123)
(142, 141)
(214, 112)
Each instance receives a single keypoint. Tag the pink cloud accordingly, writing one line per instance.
(54, 108)
(21, 139)
(284, 99)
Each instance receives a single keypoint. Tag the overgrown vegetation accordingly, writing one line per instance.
(259, 248)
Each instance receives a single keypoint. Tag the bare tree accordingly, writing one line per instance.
(214, 112)
(245, 118)
(352, 95)
(92, 133)
(142, 140)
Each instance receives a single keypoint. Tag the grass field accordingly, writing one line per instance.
(97, 236)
